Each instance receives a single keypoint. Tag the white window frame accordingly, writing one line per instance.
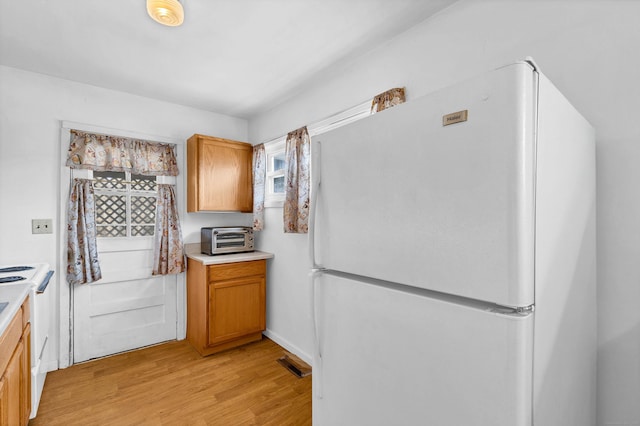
(128, 193)
(276, 146)
(272, 150)
(121, 243)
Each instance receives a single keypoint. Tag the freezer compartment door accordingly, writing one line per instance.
(387, 357)
(450, 208)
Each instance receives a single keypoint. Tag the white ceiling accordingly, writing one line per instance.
(234, 57)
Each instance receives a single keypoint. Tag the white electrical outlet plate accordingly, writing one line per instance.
(42, 226)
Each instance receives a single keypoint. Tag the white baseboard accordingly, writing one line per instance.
(288, 346)
(51, 365)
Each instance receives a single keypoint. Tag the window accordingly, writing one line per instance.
(274, 150)
(274, 185)
(125, 204)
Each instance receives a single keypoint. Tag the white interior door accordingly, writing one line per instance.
(128, 308)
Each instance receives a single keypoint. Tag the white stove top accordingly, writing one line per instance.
(32, 273)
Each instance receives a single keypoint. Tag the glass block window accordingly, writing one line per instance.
(125, 204)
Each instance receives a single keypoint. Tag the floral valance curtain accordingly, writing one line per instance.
(82, 252)
(259, 177)
(113, 153)
(387, 99)
(297, 185)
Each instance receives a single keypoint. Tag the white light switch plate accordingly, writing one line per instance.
(42, 226)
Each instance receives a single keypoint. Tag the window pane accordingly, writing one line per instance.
(111, 209)
(111, 231)
(143, 183)
(143, 216)
(278, 162)
(142, 230)
(125, 204)
(109, 180)
(278, 185)
(143, 210)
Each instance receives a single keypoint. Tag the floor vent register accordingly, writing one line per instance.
(295, 365)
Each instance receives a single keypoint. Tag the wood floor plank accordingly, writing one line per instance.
(171, 384)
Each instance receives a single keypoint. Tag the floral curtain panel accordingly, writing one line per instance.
(168, 254)
(113, 153)
(297, 175)
(387, 99)
(82, 251)
(259, 177)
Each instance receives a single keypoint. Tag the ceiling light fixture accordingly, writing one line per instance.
(166, 12)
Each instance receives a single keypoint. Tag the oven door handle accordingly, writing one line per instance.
(43, 286)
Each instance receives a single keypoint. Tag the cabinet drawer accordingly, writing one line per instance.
(228, 271)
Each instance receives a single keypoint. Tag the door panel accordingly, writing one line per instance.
(394, 358)
(447, 208)
(128, 308)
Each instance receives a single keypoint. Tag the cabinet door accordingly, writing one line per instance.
(219, 175)
(12, 406)
(25, 375)
(4, 401)
(15, 381)
(236, 308)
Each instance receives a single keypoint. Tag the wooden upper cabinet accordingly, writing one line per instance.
(219, 175)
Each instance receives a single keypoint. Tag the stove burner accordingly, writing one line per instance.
(12, 279)
(16, 269)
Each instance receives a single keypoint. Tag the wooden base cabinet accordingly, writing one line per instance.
(225, 304)
(15, 370)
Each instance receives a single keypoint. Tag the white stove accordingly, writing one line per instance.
(38, 276)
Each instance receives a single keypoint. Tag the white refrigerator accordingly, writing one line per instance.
(453, 248)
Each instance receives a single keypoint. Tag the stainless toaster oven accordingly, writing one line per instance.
(227, 239)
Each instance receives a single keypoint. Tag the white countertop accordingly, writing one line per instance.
(193, 252)
(14, 294)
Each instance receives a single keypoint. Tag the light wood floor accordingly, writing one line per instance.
(171, 384)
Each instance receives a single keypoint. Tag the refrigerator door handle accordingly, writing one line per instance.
(315, 189)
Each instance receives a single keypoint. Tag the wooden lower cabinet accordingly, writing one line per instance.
(225, 304)
(15, 370)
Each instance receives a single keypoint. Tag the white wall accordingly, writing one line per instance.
(589, 49)
(32, 107)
